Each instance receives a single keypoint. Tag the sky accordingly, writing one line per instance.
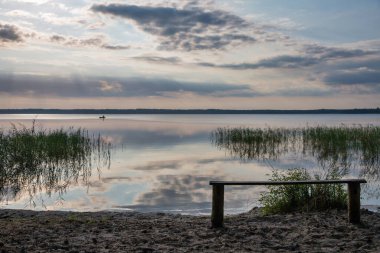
(226, 54)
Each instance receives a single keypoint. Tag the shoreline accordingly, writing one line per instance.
(191, 111)
(113, 231)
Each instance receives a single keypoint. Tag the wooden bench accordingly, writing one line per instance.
(217, 212)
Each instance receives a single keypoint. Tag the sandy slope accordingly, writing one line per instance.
(28, 231)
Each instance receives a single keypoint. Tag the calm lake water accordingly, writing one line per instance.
(165, 162)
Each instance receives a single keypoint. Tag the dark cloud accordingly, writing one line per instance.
(134, 87)
(355, 64)
(311, 55)
(57, 38)
(195, 42)
(301, 92)
(329, 53)
(115, 47)
(84, 42)
(107, 87)
(159, 60)
(336, 67)
(183, 29)
(353, 77)
(87, 42)
(360, 74)
(284, 61)
(9, 34)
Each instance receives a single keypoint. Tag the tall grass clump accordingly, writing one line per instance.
(289, 198)
(39, 160)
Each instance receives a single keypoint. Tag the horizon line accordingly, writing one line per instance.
(190, 111)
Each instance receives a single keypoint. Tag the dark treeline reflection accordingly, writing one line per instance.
(34, 161)
(338, 148)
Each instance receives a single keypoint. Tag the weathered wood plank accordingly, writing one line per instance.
(345, 181)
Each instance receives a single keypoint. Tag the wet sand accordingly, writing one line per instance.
(29, 231)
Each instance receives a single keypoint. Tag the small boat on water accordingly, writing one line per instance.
(102, 117)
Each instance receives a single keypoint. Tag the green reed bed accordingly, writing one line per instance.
(249, 143)
(331, 146)
(35, 160)
(342, 145)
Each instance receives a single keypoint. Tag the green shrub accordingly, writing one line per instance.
(288, 198)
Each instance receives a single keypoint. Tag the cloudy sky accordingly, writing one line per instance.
(236, 54)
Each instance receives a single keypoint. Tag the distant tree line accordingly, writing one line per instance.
(187, 111)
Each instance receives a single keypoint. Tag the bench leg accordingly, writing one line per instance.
(217, 206)
(354, 202)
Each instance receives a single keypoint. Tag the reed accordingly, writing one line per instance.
(39, 160)
(333, 147)
(340, 146)
(249, 143)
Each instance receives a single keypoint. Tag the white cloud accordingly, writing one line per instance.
(54, 19)
(28, 1)
(20, 14)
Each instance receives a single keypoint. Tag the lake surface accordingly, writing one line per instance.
(165, 162)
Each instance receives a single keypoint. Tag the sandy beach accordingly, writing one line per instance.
(50, 231)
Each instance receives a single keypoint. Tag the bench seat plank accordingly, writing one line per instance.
(344, 181)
